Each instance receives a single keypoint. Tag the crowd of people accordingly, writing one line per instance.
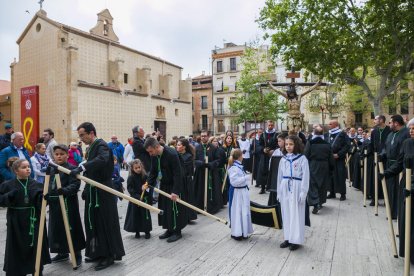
(298, 171)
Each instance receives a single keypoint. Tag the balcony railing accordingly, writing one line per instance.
(224, 112)
(225, 88)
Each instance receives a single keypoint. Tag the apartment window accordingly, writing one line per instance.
(233, 66)
(204, 122)
(220, 126)
(405, 98)
(219, 66)
(192, 103)
(125, 78)
(358, 118)
(391, 104)
(220, 110)
(193, 119)
(203, 102)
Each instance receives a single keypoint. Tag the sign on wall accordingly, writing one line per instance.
(29, 106)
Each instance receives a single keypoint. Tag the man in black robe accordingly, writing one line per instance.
(321, 165)
(268, 141)
(256, 151)
(340, 145)
(214, 183)
(166, 169)
(405, 157)
(399, 133)
(140, 153)
(378, 138)
(103, 234)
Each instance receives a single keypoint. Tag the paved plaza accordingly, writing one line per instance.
(345, 239)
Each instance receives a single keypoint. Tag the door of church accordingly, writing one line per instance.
(161, 126)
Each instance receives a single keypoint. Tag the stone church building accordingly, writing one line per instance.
(89, 76)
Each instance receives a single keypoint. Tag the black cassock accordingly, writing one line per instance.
(255, 151)
(167, 168)
(392, 149)
(103, 233)
(138, 219)
(187, 163)
(406, 152)
(321, 166)
(266, 140)
(272, 179)
(340, 145)
(366, 145)
(357, 166)
(140, 152)
(23, 218)
(352, 156)
(214, 195)
(57, 235)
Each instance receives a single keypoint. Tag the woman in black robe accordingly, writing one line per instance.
(138, 219)
(186, 154)
(70, 186)
(23, 197)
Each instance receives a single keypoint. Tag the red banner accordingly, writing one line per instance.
(29, 106)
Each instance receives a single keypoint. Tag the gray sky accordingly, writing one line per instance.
(181, 31)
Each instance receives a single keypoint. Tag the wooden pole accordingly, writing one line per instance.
(407, 245)
(376, 181)
(365, 178)
(42, 225)
(66, 223)
(388, 210)
(205, 184)
(110, 190)
(182, 202)
(347, 160)
(224, 180)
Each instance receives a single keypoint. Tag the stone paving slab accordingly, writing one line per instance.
(345, 239)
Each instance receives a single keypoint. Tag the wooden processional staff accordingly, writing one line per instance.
(407, 246)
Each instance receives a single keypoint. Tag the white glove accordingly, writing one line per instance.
(302, 197)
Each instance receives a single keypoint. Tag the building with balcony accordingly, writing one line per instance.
(90, 76)
(202, 100)
(5, 103)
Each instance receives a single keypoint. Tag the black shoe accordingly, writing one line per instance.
(237, 238)
(257, 186)
(147, 235)
(293, 247)
(92, 260)
(262, 192)
(174, 237)
(166, 235)
(372, 203)
(331, 195)
(315, 210)
(284, 244)
(104, 263)
(60, 258)
(342, 198)
(78, 256)
(137, 235)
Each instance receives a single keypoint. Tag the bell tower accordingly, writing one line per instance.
(103, 26)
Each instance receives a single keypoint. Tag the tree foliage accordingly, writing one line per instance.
(251, 102)
(348, 41)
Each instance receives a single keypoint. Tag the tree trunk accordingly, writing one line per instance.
(377, 105)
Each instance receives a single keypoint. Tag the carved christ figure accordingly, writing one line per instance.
(294, 101)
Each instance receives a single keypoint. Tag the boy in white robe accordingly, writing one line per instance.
(292, 190)
(239, 201)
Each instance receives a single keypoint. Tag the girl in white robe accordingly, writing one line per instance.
(239, 200)
(292, 190)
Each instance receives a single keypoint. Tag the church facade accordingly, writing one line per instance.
(89, 76)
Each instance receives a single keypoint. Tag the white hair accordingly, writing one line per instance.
(13, 136)
(410, 122)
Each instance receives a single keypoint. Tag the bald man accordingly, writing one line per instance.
(340, 146)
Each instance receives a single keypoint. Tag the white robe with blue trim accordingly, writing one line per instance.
(240, 217)
(292, 194)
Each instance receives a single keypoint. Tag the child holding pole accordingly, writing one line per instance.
(22, 196)
(137, 218)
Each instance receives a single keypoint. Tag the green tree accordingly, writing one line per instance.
(346, 41)
(251, 102)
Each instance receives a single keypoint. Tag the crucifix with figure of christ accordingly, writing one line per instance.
(294, 100)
